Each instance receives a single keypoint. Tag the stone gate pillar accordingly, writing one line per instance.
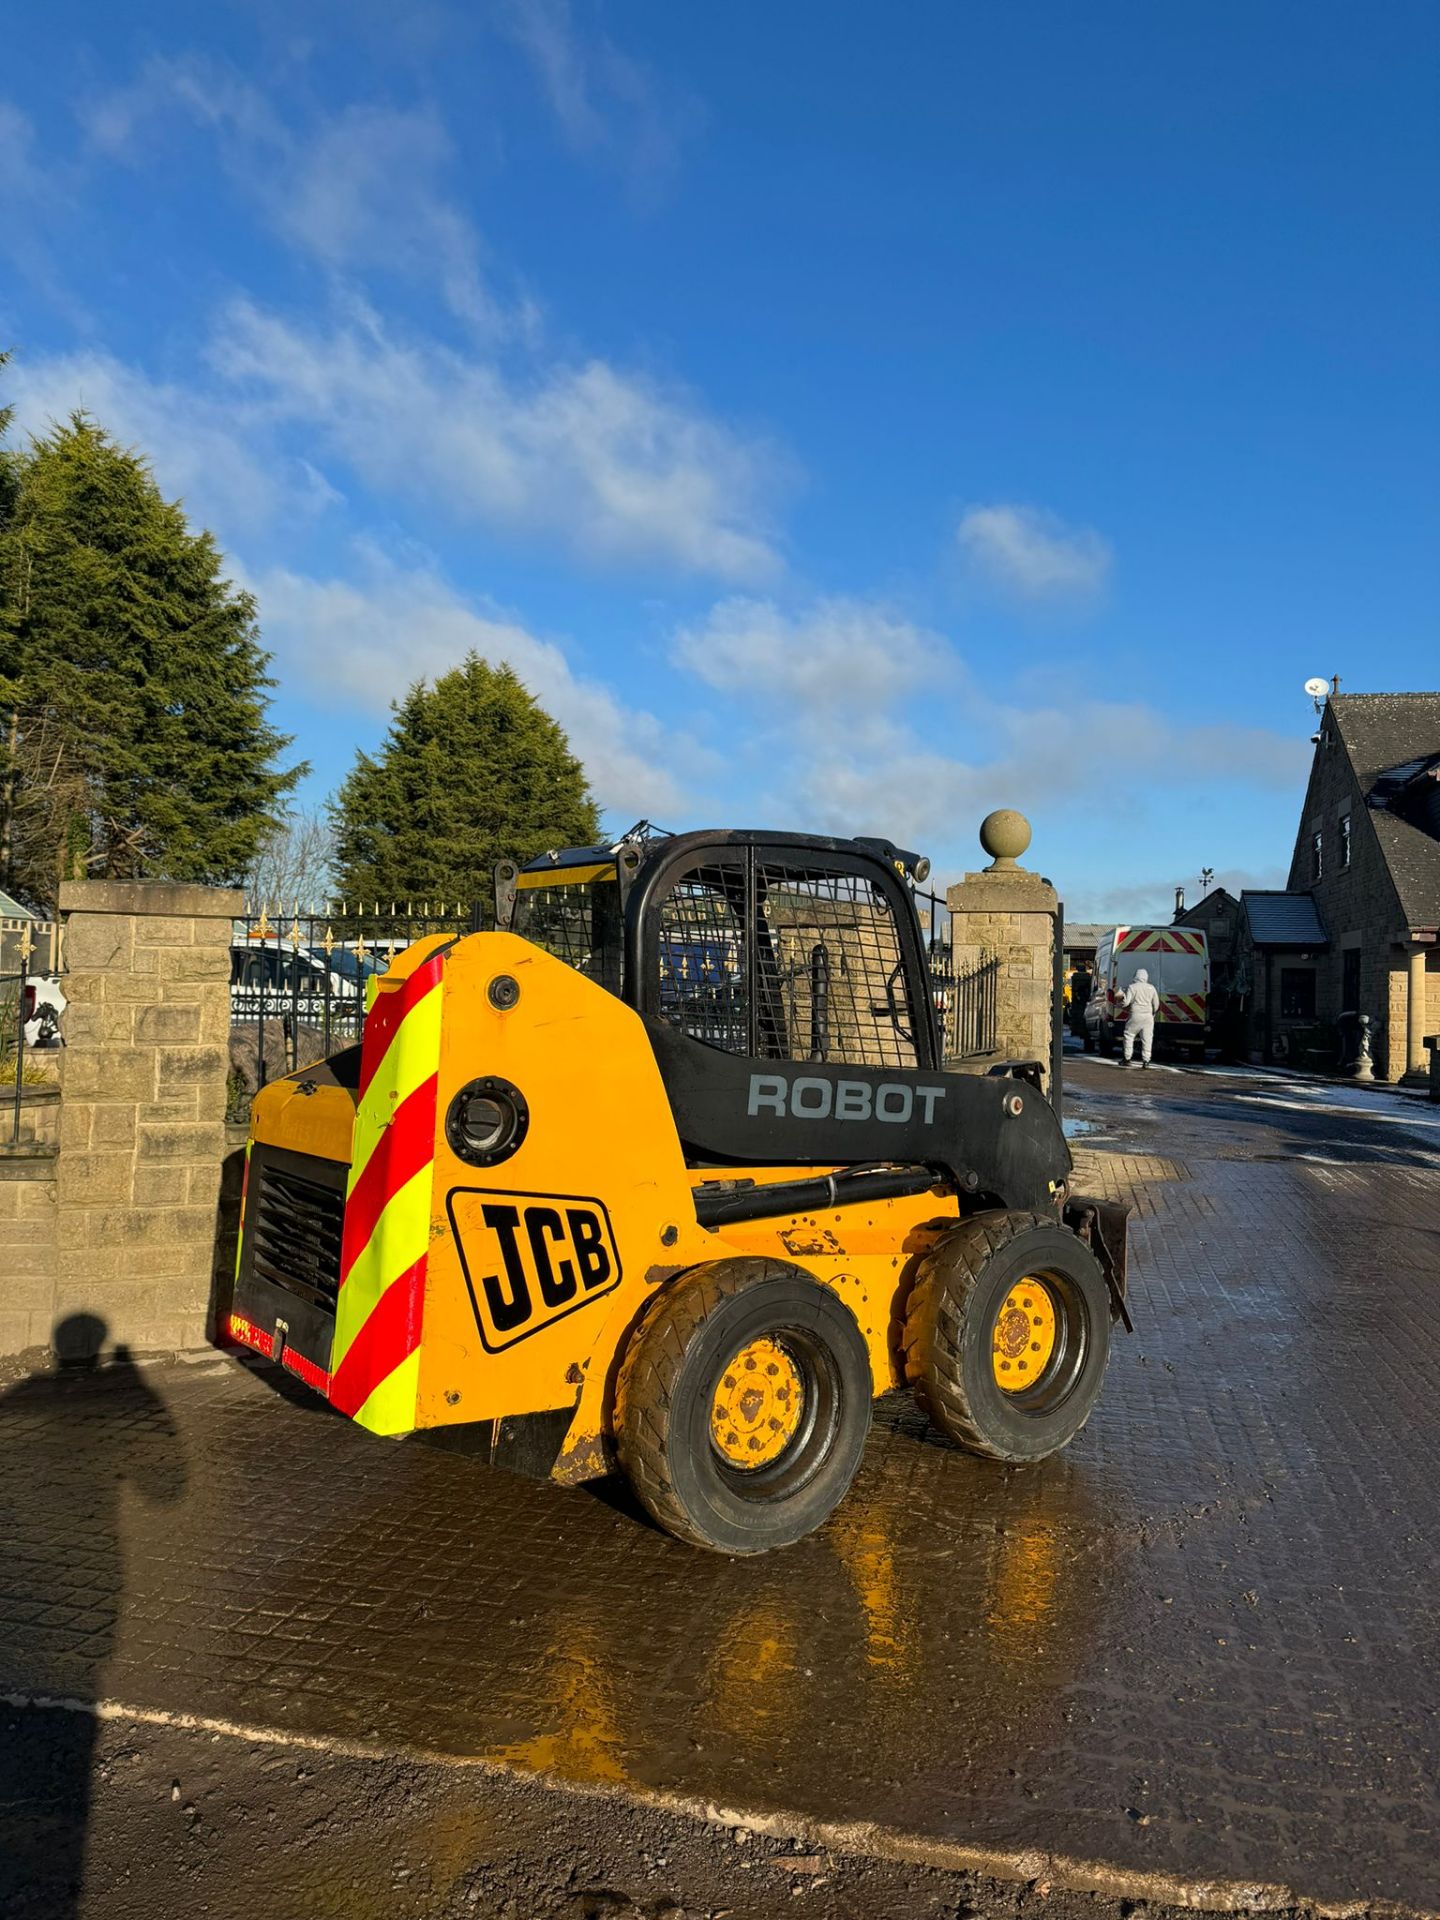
(1010, 916)
(142, 1124)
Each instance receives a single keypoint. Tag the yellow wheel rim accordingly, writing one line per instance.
(1024, 1338)
(758, 1402)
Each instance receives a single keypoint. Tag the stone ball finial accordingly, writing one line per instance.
(1004, 834)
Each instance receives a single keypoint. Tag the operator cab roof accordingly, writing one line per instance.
(562, 857)
(644, 837)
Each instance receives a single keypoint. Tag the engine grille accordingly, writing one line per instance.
(292, 1228)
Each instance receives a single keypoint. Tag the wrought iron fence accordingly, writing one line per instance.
(40, 939)
(12, 1046)
(30, 1008)
(974, 1024)
(299, 977)
(298, 980)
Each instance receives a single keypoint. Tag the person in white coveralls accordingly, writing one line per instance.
(1141, 1003)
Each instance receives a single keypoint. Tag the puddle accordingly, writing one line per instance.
(1075, 1129)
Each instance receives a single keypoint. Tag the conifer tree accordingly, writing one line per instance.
(136, 734)
(472, 771)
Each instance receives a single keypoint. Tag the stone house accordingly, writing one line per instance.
(1367, 866)
(1219, 914)
(1281, 943)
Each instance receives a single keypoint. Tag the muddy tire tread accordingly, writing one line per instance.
(642, 1399)
(936, 1318)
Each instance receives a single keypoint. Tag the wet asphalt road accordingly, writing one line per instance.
(1194, 1656)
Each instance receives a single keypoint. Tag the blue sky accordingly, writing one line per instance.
(843, 417)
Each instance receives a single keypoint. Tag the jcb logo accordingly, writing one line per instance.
(530, 1258)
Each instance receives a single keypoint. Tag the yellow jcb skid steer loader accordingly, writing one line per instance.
(666, 1174)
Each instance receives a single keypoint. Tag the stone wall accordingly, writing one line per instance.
(135, 1185)
(1390, 1055)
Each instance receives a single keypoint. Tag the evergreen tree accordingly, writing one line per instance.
(472, 771)
(132, 679)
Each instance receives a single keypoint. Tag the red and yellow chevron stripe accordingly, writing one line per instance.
(375, 1358)
(1160, 940)
(1188, 1007)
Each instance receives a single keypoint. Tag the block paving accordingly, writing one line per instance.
(1201, 1645)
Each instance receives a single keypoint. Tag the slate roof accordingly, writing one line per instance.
(1083, 936)
(1384, 733)
(1283, 919)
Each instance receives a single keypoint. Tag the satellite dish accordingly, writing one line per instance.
(1317, 689)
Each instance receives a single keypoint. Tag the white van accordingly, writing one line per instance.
(1178, 962)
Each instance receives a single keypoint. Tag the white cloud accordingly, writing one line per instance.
(615, 465)
(609, 462)
(607, 104)
(21, 175)
(895, 784)
(363, 640)
(35, 197)
(119, 122)
(838, 653)
(208, 452)
(1148, 901)
(602, 461)
(1107, 747)
(928, 778)
(850, 719)
(1033, 555)
(361, 190)
(363, 195)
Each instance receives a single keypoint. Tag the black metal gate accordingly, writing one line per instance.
(299, 981)
(974, 1028)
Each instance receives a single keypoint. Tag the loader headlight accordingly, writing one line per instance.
(486, 1121)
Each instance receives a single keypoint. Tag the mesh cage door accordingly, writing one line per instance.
(702, 959)
(836, 966)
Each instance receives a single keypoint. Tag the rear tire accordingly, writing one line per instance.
(982, 1277)
(777, 1470)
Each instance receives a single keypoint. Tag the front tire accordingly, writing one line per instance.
(1007, 1335)
(742, 1406)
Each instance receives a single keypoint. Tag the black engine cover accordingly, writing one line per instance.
(731, 1110)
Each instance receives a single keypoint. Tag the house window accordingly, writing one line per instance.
(1350, 980)
(1317, 856)
(1297, 993)
(1344, 841)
